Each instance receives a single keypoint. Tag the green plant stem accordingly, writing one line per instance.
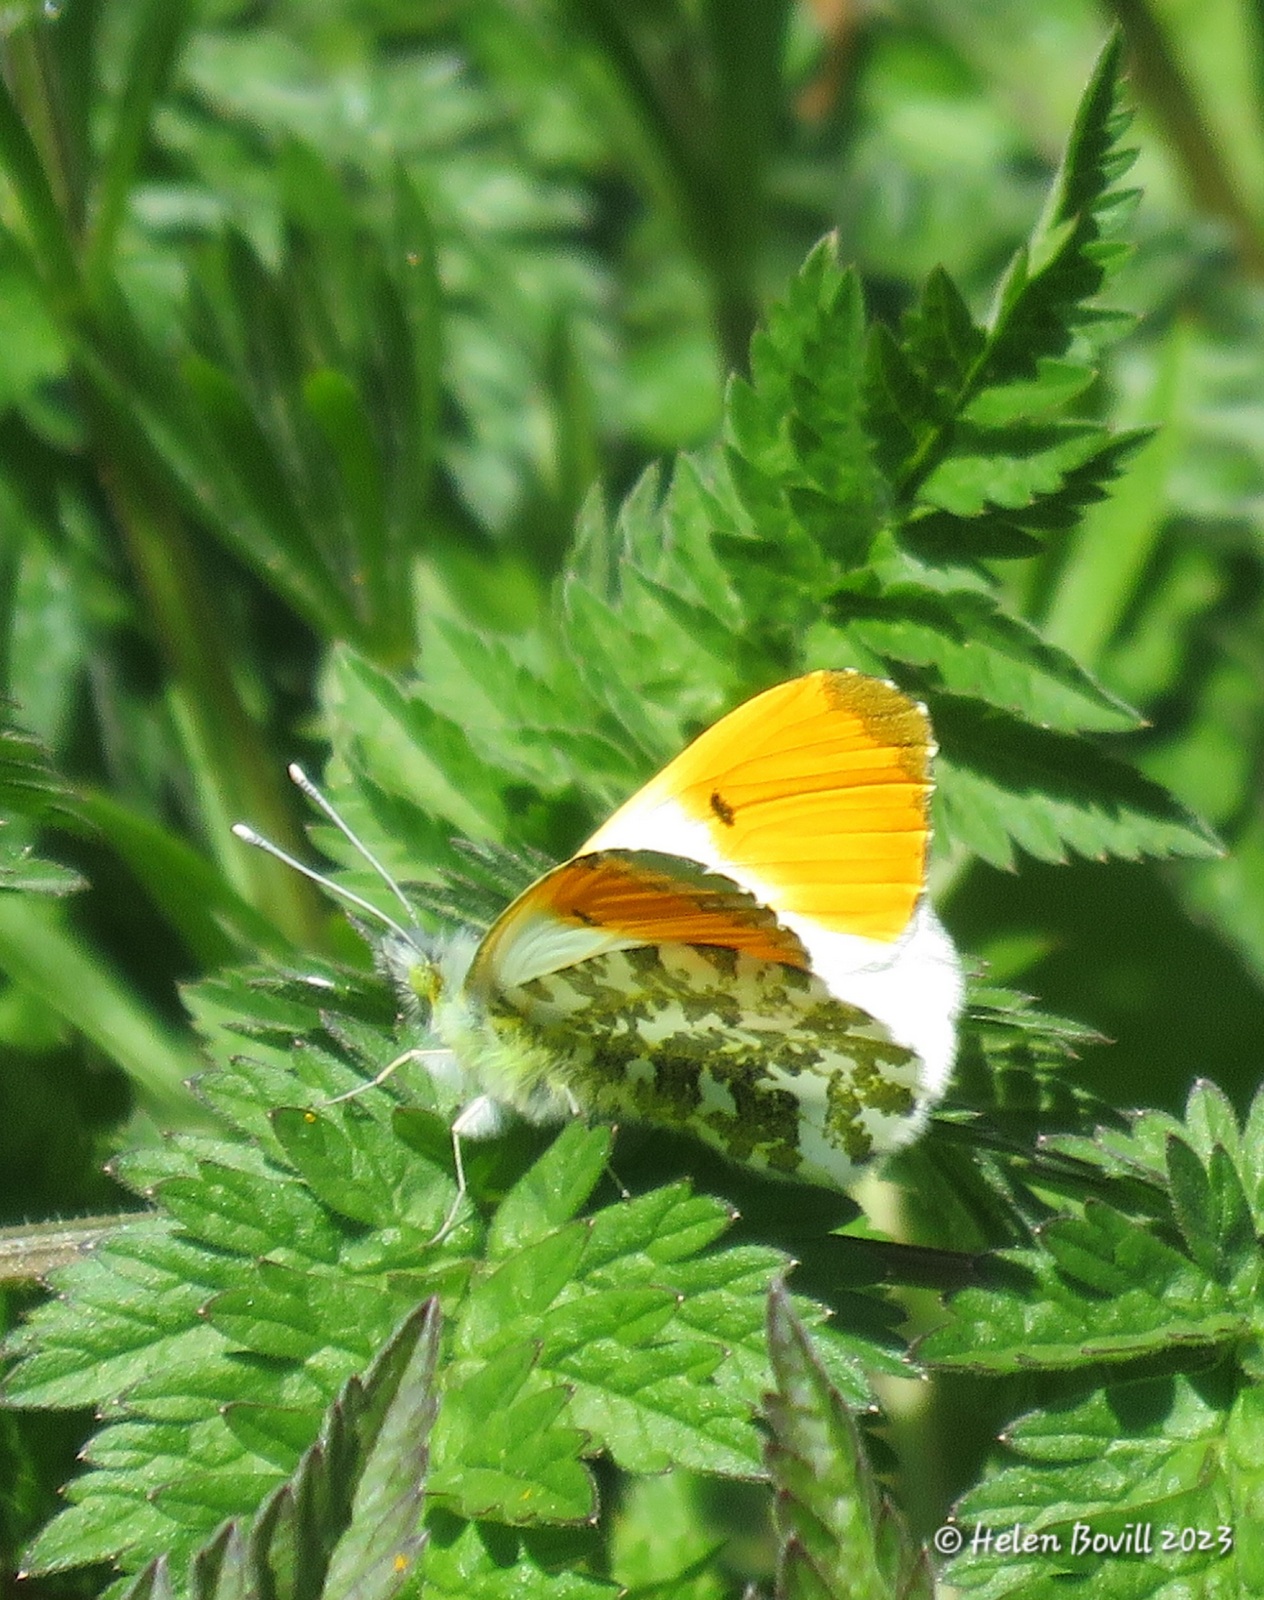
(38, 953)
(29, 1253)
(159, 28)
(1167, 93)
(1254, 10)
(37, 89)
(21, 162)
(922, 1266)
(746, 44)
(684, 150)
(245, 776)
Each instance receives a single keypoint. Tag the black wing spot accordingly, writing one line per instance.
(723, 809)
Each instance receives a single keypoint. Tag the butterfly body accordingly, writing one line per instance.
(743, 952)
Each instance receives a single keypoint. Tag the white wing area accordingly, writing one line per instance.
(543, 942)
(913, 985)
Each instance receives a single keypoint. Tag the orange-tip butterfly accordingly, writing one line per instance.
(744, 951)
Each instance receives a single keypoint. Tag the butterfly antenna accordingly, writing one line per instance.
(249, 836)
(300, 778)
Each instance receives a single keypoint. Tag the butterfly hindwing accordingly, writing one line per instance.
(753, 1056)
(637, 985)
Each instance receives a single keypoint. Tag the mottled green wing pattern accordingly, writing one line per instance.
(754, 1057)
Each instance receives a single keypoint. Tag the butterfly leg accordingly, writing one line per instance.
(387, 1071)
(577, 1110)
(482, 1118)
(624, 1192)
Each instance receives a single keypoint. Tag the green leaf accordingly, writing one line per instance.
(24, 873)
(1210, 1129)
(662, 1404)
(414, 751)
(1212, 1121)
(1050, 286)
(225, 1207)
(552, 1191)
(661, 1539)
(362, 1176)
(523, 1286)
(1178, 1283)
(839, 1537)
(1139, 1464)
(520, 720)
(915, 382)
(257, 504)
(967, 418)
(30, 790)
(291, 1314)
(141, 1292)
(214, 1343)
(997, 506)
(1002, 782)
(500, 1452)
(472, 1561)
(1190, 1191)
(1105, 1290)
(976, 650)
(798, 427)
(29, 784)
(1011, 468)
(348, 1522)
(339, 411)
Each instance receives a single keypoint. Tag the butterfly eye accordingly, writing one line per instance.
(426, 982)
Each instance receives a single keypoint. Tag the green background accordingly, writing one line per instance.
(335, 314)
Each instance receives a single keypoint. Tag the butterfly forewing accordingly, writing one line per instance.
(814, 795)
(593, 903)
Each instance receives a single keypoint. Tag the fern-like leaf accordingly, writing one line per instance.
(214, 1332)
(840, 1537)
(347, 1523)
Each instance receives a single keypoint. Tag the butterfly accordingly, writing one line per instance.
(744, 951)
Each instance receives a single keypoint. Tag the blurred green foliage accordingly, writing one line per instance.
(321, 326)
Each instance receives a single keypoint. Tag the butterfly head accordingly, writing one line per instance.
(426, 969)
